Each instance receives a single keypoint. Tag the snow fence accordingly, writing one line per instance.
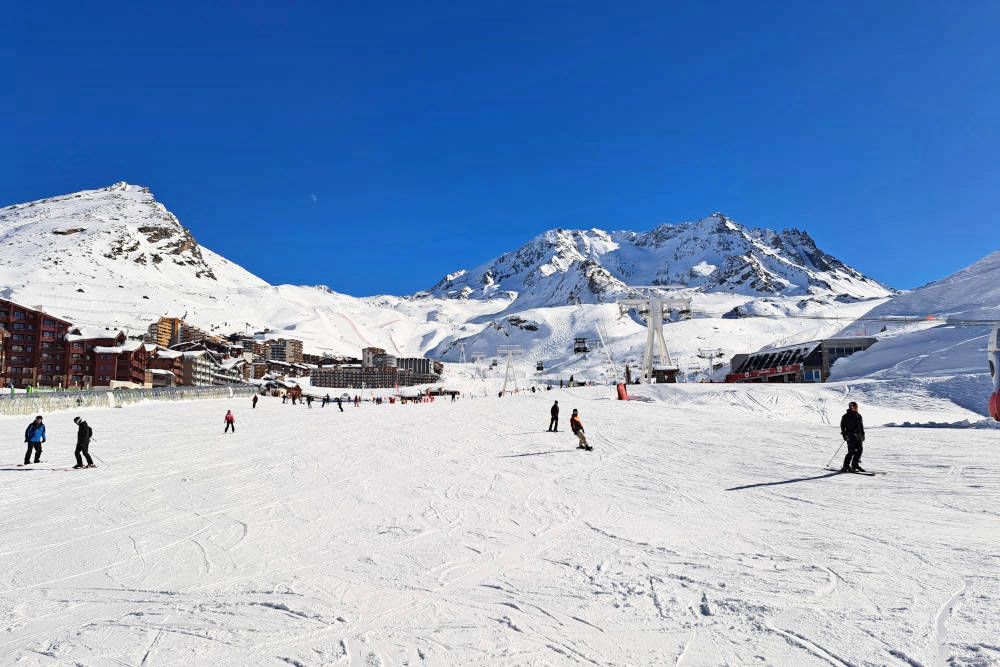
(51, 401)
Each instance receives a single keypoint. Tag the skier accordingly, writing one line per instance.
(326, 399)
(340, 404)
(570, 381)
(284, 398)
(852, 428)
(254, 401)
(577, 426)
(309, 400)
(230, 421)
(34, 436)
(83, 435)
(560, 383)
(554, 422)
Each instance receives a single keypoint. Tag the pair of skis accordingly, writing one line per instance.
(866, 473)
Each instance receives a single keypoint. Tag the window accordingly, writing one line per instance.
(48, 334)
(18, 338)
(26, 371)
(50, 323)
(76, 367)
(18, 314)
(18, 326)
(77, 356)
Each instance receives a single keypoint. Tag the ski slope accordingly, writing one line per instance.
(702, 530)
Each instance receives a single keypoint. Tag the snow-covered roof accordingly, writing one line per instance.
(160, 371)
(87, 332)
(127, 346)
(232, 363)
(168, 354)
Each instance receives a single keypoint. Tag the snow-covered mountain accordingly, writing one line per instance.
(116, 257)
(715, 254)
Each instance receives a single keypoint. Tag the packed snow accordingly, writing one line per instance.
(703, 529)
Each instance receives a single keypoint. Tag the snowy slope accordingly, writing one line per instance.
(952, 359)
(702, 530)
(713, 255)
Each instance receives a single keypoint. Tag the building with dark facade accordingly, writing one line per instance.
(804, 362)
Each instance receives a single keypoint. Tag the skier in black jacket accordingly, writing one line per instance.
(83, 435)
(852, 427)
(554, 422)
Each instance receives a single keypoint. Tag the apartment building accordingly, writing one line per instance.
(35, 349)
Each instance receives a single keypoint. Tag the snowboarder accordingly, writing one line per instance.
(83, 435)
(577, 426)
(230, 421)
(852, 428)
(554, 421)
(34, 436)
(254, 401)
(340, 404)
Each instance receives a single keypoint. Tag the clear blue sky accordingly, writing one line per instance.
(375, 146)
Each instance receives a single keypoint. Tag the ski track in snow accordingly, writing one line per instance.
(701, 530)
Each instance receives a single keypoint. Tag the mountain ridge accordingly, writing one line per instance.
(567, 266)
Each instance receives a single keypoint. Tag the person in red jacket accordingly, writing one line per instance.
(230, 421)
(577, 426)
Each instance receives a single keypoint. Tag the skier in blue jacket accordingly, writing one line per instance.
(34, 436)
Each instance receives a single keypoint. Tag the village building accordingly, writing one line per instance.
(803, 362)
(35, 349)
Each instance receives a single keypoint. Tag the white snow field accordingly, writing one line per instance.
(702, 530)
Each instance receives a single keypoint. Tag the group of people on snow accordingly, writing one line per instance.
(34, 437)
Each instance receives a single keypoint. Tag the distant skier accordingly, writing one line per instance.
(570, 381)
(230, 421)
(577, 426)
(560, 383)
(340, 404)
(309, 401)
(852, 428)
(326, 399)
(83, 435)
(554, 421)
(34, 436)
(254, 401)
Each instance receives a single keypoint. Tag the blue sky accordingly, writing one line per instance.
(376, 146)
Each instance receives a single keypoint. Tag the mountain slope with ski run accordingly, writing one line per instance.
(116, 257)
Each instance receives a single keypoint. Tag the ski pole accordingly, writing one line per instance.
(835, 455)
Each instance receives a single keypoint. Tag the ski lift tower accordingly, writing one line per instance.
(655, 307)
(708, 354)
(477, 359)
(510, 375)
